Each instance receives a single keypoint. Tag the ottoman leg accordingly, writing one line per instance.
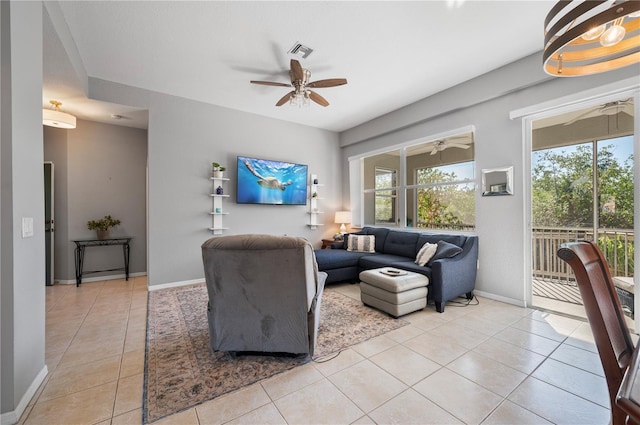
(439, 307)
(469, 295)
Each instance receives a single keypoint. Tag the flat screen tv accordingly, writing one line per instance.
(263, 181)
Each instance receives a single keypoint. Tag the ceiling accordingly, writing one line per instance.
(392, 53)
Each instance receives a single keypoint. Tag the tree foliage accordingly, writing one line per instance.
(444, 204)
(562, 188)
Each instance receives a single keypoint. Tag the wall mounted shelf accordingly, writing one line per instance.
(217, 210)
(314, 212)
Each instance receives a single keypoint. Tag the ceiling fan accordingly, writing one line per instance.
(302, 93)
(441, 145)
(610, 108)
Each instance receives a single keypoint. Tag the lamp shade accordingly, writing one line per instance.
(342, 217)
(56, 118)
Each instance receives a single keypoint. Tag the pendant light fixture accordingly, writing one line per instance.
(583, 37)
(56, 118)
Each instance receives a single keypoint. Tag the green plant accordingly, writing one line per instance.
(103, 224)
(217, 167)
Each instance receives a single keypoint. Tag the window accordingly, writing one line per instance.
(385, 198)
(429, 185)
(446, 196)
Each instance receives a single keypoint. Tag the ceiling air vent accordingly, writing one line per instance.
(300, 50)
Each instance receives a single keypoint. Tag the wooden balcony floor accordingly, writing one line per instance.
(556, 290)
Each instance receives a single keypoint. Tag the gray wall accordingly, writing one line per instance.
(22, 287)
(485, 103)
(99, 169)
(184, 137)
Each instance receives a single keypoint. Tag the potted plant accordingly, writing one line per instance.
(103, 225)
(217, 170)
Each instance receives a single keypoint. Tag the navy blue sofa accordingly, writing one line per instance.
(449, 278)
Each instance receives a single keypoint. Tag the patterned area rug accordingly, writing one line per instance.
(181, 371)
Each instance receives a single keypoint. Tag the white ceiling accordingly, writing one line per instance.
(392, 53)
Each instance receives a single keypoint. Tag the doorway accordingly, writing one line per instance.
(582, 187)
(49, 222)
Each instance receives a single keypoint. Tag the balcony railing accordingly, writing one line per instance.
(616, 245)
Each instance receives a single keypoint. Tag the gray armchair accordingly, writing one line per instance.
(264, 293)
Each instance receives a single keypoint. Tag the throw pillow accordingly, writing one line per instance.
(445, 250)
(427, 251)
(361, 243)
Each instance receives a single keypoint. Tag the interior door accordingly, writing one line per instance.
(49, 222)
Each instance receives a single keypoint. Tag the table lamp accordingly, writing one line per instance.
(342, 218)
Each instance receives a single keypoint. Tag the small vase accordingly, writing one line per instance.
(102, 234)
(219, 190)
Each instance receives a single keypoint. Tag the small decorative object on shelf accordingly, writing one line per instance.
(103, 225)
(315, 181)
(218, 170)
(219, 190)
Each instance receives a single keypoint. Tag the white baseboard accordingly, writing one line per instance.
(519, 303)
(10, 418)
(174, 284)
(100, 278)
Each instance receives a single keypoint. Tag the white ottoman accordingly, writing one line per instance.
(397, 294)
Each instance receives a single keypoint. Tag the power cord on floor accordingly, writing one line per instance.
(328, 357)
(456, 303)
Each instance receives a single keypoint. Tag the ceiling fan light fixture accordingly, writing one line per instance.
(613, 35)
(578, 42)
(594, 33)
(56, 118)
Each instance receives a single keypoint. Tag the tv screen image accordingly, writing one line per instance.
(263, 181)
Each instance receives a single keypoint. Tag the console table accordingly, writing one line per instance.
(82, 244)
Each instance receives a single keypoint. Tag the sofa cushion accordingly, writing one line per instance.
(458, 240)
(374, 261)
(401, 243)
(361, 243)
(425, 253)
(381, 236)
(328, 259)
(412, 267)
(445, 250)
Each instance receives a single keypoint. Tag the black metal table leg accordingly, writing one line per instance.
(79, 251)
(126, 250)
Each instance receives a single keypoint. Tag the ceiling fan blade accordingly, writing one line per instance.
(331, 82)
(318, 99)
(296, 71)
(457, 145)
(435, 150)
(270, 83)
(582, 115)
(285, 98)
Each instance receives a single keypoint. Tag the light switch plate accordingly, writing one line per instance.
(27, 227)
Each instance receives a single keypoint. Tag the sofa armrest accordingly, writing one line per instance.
(455, 276)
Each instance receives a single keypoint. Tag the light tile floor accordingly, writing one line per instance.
(491, 363)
